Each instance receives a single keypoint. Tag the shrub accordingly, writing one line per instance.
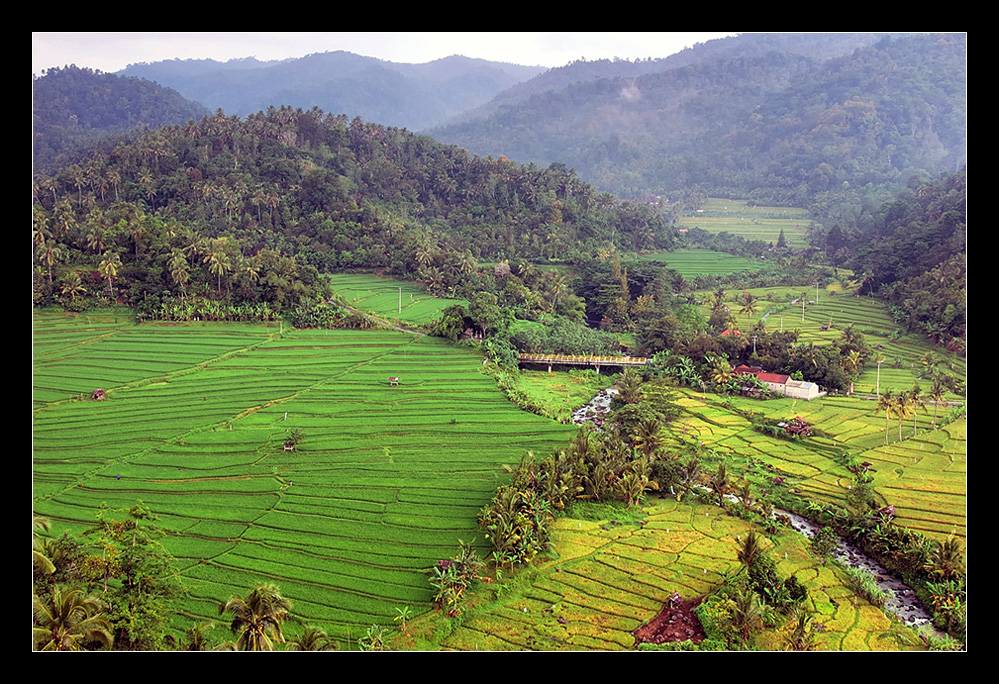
(76, 305)
(866, 585)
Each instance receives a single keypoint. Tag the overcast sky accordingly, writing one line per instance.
(110, 52)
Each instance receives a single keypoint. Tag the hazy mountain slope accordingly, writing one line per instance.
(413, 96)
(819, 46)
(775, 125)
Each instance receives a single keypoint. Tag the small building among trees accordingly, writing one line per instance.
(783, 384)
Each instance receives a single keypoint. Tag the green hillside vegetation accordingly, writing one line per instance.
(770, 123)
(73, 107)
(275, 368)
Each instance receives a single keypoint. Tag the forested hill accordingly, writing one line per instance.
(73, 107)
(913, 253)
(815, 46)
(413, 96)
(330, 192)
(777, 125)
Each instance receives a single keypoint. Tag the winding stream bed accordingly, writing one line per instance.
(903, 603)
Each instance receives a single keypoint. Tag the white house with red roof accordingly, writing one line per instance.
(778, 382)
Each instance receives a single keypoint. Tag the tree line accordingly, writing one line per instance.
(247, 211)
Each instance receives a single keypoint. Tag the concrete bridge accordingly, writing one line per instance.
(581, 360)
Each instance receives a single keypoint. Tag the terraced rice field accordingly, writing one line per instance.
(750, 221)
(611, 576)
(922, 475)
(693, 262)
(389, 478)
(386, 480)
(390, 299)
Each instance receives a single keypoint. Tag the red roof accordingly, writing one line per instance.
(776, 378)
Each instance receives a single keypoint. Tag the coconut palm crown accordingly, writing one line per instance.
(258, 617)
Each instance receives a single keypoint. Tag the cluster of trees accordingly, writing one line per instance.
(911, 251)
(160, 267)
(114, 586)
(73, 107)
(902, 404)
(620, 462)
(696, 353)
(244, 211)
(452, 578)
(753, 599)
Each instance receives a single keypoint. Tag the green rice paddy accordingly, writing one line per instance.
(386, 480)
(694, 262)
(390, 299)
(750, 221)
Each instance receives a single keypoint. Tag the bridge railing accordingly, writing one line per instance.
(580, 359)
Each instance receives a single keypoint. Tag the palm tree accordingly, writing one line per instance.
(748, 305)
(886, 403)
(49, 252)
(719, 370)
(313, 639)
(745, 612)
(750, 549)
(108, 268)
(179, 271)
(719, 297)
(936, 394)
(946, 559)
(802, 637)
(217, 260)
(95, 238)
(720, 483)
(853, 360)
(197, 638)
(629, 386)
(72, 285)
(691, 474)
(258, 617)
(649, 436)
(68, 620)
(39, 558)
(915, 398)
(903, 404)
